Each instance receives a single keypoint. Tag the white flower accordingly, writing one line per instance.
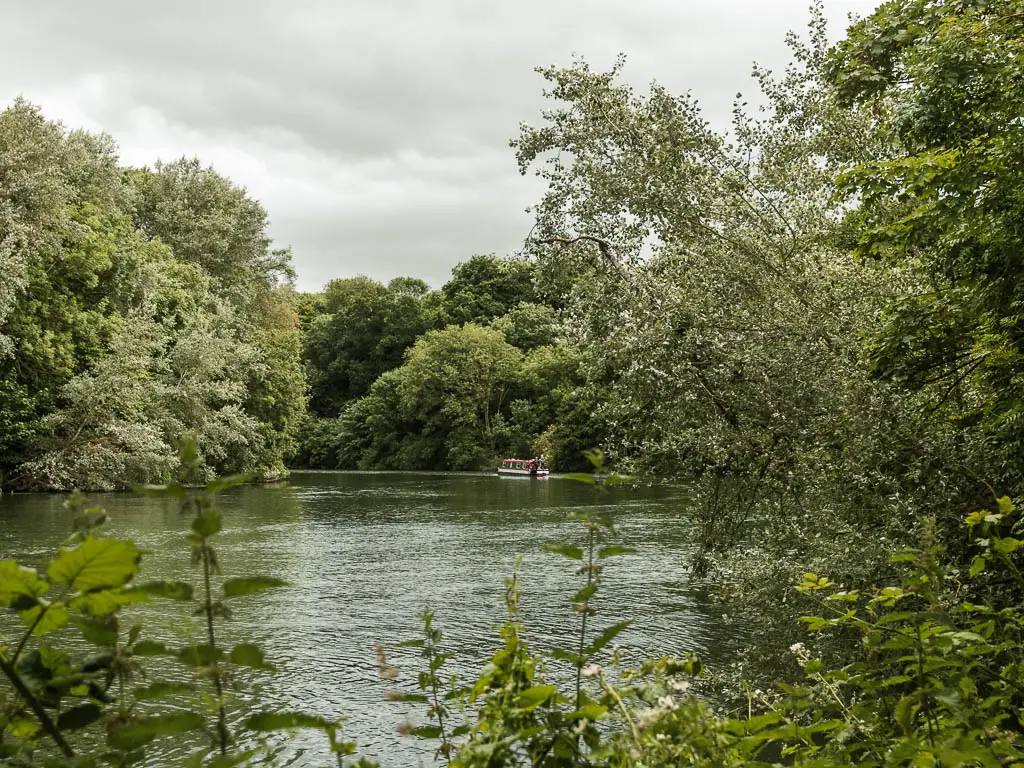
(797, 648)
(680, 685)
(667, 702)
(592, 671)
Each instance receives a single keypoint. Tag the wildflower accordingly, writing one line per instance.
(592, 671)
(680, 685)
(797, 648)
(667, 702)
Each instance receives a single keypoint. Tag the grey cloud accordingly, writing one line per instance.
(369, 123)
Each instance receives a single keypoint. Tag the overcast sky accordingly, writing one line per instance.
(375, 132)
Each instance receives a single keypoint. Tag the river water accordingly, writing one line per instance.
(365, 553)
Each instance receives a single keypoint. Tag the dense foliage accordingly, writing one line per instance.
(138, 304)
(407, 378)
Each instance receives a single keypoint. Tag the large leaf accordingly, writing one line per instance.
(199, 655)
(171, 590)
(565, 550)
(95, 564)
(79, 717)
(151, 648)
(161, 688)
(135, 734)
(45, 619)
(533, 697)
(97, 631)
(279, 721)
(249, 655)
(239, 587)
(207, 524)
(106, 601)
(607, 636)
(18, 583)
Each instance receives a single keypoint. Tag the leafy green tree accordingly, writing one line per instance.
(209, 221)
(483, 288)
(943, 80)
(528, 325)
(63, 243)
(363, 331)
(170, 273)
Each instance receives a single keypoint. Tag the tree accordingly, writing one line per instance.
(96, 259)
(943, 80)
(528, 326)
(363, 331)
(463, 374)
(483, 288)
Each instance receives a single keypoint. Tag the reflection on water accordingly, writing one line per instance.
(365, 552)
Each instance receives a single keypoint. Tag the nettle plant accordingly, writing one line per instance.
(84, 708)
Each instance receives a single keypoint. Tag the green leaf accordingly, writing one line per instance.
(228, 481)
(105, 601)
(279, 721)
(411, 644)
(79, 717)
(427, 731)
(977, 566)
(101, 631)
(95, 564)
(589, 711)
(50, 618)
(151, 648)
(585, 594)
(579, 477)
(607, 636)
(249, 655)
(614, 551)
(160, 688)
(139, 732)
(18, 582)
(239, 587)
(170, 590)
(533, 697)
(573, 553)
(1007, 545)
(207, 523)
(199, 655)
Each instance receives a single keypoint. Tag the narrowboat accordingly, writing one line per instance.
(523, 468)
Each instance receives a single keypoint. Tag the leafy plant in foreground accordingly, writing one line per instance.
(53, 695)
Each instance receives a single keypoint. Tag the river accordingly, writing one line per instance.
(364, 553)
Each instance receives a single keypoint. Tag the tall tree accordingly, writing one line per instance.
(363, 331)
(943, 79)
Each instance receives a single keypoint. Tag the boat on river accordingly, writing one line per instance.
(523, 468)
